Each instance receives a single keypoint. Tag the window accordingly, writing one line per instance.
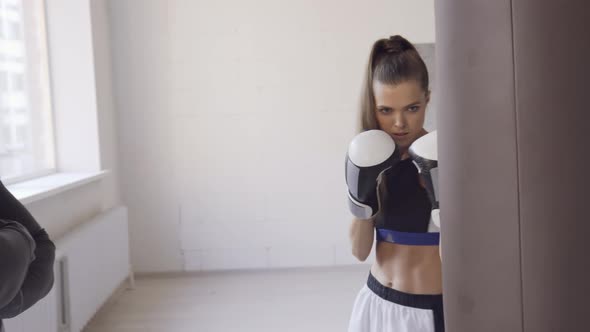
(26, 122)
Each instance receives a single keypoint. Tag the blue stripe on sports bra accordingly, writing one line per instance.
(407, 238)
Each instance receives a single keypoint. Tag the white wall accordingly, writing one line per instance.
(234, 118)
(60, 213)
(107, 126)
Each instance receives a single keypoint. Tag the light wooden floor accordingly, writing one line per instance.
(312, 299)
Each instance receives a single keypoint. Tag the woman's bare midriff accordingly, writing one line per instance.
(410, 269)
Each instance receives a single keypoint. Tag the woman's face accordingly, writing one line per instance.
(400, 111)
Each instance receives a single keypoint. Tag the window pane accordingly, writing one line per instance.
(26, 138)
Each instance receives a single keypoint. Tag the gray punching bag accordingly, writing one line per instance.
(514, 145)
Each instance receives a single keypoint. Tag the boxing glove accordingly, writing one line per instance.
(424, 154)
(369, 155)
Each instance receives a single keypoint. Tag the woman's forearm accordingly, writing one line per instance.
(362, 233)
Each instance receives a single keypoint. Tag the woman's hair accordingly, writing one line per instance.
(392, 61)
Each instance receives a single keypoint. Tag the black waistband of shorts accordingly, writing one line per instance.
(420, 301)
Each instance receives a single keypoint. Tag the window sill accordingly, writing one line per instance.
(37, 189)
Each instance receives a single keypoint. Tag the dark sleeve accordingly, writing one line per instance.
(12, 209)
(39, 279)
(16, 253)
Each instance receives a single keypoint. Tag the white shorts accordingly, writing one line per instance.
(378, 308)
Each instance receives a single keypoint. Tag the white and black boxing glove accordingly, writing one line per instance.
(369, 155)
(424, 154)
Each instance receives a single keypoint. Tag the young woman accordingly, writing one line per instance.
(404, 288)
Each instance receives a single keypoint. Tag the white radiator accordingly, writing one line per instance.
(91, 262)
